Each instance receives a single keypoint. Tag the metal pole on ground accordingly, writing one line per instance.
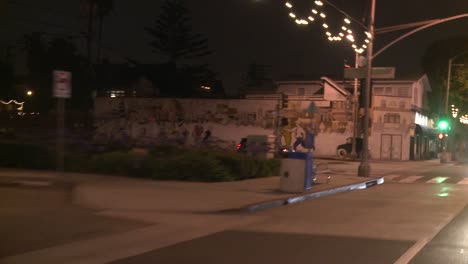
(364, 167)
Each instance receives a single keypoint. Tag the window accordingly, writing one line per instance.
(392, 118)
(388, 91)
(116, 93)
(403, 92)
(300, 91)
(378, 90)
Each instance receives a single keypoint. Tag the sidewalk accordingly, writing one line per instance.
(105, 192)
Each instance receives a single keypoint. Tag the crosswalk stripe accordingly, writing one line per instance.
(437, 180)
(464, 181)
(411, 179)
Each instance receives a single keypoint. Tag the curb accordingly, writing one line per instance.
(300, 198)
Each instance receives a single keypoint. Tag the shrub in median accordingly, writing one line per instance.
(188, 167)
(26, 156)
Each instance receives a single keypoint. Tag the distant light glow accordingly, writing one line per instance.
(311, 18)
(292, 15)
(288, 5)
(325, 25)
(347, 21)
(323, 15)
(319, 3)
(314, 11)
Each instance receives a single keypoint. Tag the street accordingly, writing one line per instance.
(420, 220)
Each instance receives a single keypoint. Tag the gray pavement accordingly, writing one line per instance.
(174, 212)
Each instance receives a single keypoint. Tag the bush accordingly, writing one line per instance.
(120, 163)
(26, 156)
(188, 167)
(163, 163)
(246, 167)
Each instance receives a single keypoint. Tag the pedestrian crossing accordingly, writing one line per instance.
(396, 178)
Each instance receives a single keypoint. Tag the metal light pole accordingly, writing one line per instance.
(355, 111)
(448, 85)
(364, 167)
(444, 156)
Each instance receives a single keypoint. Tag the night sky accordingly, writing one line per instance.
(241, 32)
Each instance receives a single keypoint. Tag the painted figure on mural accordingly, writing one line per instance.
(197, 132)
(286, 133)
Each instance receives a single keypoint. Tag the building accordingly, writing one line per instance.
(400, 128)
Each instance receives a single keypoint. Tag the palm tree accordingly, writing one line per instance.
(99, 9)
(104, 8)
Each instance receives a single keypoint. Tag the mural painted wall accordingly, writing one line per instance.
(219, 123)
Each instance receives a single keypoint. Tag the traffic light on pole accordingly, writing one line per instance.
(443, 124)
(441, 136)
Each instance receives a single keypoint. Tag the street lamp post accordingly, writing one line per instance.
(444, 156)
(364, 167)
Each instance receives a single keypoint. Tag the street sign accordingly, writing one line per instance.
(377, 73)
(62, 84)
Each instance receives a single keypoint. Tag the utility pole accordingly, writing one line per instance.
(364, 167)
(355, 111)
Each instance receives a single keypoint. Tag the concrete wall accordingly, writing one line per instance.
(187, 121)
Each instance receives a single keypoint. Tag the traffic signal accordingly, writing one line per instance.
(284, 101)
(440, 136)
(443, 125)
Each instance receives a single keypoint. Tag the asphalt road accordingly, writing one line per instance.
(38, 213)
(393, 223)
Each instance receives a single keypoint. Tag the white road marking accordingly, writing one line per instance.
(438, 180)
(464, 181)
(391, 176)
(414, 250)
(411, 179)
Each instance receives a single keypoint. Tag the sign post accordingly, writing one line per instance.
(61, 90)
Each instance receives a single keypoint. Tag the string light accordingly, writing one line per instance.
(318, 12)
(454, 111)
(20, 108)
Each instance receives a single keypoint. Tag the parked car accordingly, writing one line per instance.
(344, 150)
(242, 146)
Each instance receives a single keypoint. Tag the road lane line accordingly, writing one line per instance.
(410, 179)
(420, 244)
(437, 180)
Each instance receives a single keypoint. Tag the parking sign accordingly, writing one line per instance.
(62, 84)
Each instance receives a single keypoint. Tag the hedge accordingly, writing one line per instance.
(162, 163)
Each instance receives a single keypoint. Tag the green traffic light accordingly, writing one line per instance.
(443, 125)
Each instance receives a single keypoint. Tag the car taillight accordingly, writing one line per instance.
(238, 146)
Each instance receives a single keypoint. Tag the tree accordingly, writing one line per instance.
(174, 40)
(104, 8)
(96, 9)
(7, 86)
(435, 65)
(43, 57)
